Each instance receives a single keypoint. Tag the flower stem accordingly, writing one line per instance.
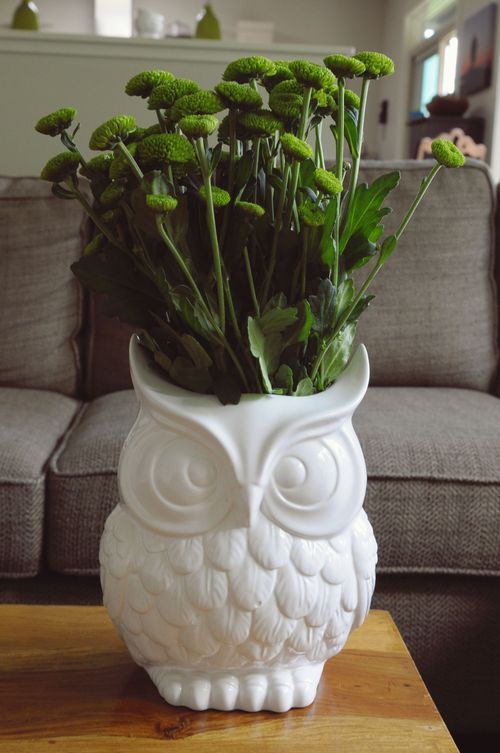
(296, 165)
(277, 229)
(320, 157)
(251, 283)
(212, 230)
(133, 164)
(339, 172)
(418, 198)
(356, 160)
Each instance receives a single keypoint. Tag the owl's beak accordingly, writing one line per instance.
(251, 499)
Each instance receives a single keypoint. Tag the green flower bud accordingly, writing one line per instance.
(163, 96)
(161, 204)
(238, 96)
(98, 165)
(311, 214)
(220, 197)
(95, 245)
(142, 84)
(294, 148)
(197, 126)
(112, 194)
(56, 122)
(282, 73)
(344, 66)
(286, 106)
(107, 135)
(61, 167)
(446, 153)
(203, 102)
(327, 182)
(120, 166)
(260, 122)
(249, 209)
(311, 74)
(165, 148)
(376, 64)
(244, 70)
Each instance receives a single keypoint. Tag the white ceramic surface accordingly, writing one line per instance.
(240, 557)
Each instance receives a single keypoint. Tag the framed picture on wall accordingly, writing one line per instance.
(477, 50)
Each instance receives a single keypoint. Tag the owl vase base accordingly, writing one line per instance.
(239, 558)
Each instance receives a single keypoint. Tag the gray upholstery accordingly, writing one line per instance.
(31, 424)
(41, 303)
(82, 486)
(434, 320)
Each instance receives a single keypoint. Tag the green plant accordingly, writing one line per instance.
(235, 260)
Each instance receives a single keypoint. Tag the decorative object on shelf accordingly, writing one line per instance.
(207, 26)
(462, 141)
(26, 16)
(239, 558)
(477, 51)
(449, 105)
(150, 24)
(178, 29)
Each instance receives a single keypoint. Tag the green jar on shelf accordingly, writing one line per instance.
(25, 16)
(208, 25)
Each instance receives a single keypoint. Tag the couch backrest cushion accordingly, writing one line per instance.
(434, 320)
(40, 302)
(107, 368)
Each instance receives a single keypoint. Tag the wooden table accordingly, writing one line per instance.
(67, 684)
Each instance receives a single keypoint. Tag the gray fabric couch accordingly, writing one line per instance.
(429, 426)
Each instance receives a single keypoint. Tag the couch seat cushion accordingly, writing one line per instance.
(82, 486)
(32, 423)
(433, 459)
(41, 301)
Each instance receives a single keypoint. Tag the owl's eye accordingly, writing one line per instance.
(202, 472)
(185, 473)
(306, 476)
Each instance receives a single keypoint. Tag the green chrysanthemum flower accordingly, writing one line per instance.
(282, 73)
(446, 153)
(327, 182)
(325, 103)
(164, 149)
(344, 66)
(163, 96)
(351, 99)
(142, 84)
(311, 74)
(112, 194)
(311, 214)
(260, 122)
(249, 209)
(107, 135)
(61, 167)
(289, 87)
(203, 102)
(197, 126)
(56, 122)
(120, 166)
(238, 96)
(286, 106)
(220, 197)
(376, 64)
(98, 165)
(161, 204)
(95, 245)
(295, 148)
(244, 70)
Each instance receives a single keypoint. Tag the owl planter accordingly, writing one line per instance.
(240, 558)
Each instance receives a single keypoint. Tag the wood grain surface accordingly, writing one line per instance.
(68, 684)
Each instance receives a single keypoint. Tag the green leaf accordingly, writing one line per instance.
(163, 361)
(284, 379)
(243, 171)
(266, 348)
(306, 173)
(196, 352)
(188, 376)
(351, 132)
(327, 245)
(215, 157)
(358, 252)
(299, 332)
(345, 296)
(365, 211)
(227, 389)
(191, 312)
(337, 354)
(278, 301)
(155, 183)
(388, 248)
(304, 387)
(277, 320)
(323, 307)
(362, 304)
(62, 193)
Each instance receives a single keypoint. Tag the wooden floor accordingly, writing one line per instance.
(67, 684)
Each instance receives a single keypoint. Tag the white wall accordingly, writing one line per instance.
(69, 16)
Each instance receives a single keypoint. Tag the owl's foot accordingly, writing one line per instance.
(249, 689)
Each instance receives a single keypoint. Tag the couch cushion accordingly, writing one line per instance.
(31, 425)
(434, 321)
(107, 368)
(41, 302)
(82, 486)
(433, 459)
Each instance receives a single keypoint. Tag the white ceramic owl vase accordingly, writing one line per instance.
(239, 558)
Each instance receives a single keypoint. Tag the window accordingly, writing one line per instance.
(434, 70)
